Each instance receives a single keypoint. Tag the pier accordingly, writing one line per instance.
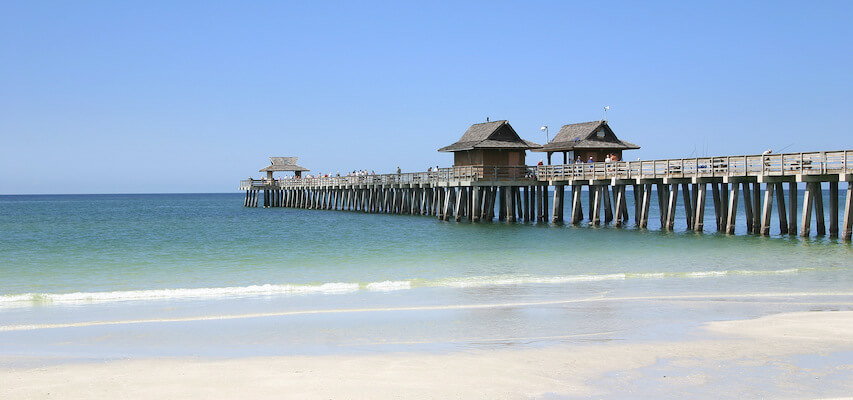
(490, 181)
(755, 183)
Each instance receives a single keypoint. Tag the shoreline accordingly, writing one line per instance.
(707, 365)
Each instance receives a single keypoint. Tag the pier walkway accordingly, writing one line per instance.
(477, 193)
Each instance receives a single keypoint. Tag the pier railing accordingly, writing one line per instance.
(441, 175)
(813, 163)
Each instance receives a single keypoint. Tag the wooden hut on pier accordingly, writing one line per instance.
(282, 164)
(490, 144)
(586, 140)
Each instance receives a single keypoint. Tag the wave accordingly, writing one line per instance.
(344, 287)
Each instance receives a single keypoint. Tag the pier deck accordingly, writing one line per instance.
(477, 193)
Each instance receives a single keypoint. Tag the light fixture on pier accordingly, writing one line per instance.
(545, 128)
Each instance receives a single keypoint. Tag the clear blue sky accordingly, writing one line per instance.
(191, 96)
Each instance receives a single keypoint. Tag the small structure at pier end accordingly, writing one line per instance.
(490, 144)
(279, 164)
(586, 140)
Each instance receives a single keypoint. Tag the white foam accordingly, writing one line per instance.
(706, 274)
(387, 286)
(479, 281)
(28, 299)
(182, 293)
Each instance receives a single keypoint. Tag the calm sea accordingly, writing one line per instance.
(112, 275)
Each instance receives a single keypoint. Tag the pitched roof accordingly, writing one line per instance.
(283, 164)
(584, 136)
(490, 135)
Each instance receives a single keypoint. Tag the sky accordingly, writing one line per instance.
(192, 96)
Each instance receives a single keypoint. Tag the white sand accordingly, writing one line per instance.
(480, 374)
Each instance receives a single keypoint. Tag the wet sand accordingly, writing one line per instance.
(768, 357)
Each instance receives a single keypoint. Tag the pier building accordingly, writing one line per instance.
(586, 140)
(490, 144)
(481, 192)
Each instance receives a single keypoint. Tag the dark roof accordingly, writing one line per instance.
(490, 135)
(584, 136)
(283, 164)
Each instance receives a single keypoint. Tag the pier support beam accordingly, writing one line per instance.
(808, 204)
(766, 210)
(732, 211)
(670, 212)
(559, 193)
(688, 205)
(596, 204)
(577, 210)
(848, 214)
(818, 208)
(699, 221)
(793, 194)
(756, 205)
(780, 199)
(747, 206)
(715, 195)
(619, 195)
(647, 199)
(833, 209)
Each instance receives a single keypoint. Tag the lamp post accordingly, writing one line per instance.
(545, 128)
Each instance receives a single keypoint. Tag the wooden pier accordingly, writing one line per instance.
(756, 183)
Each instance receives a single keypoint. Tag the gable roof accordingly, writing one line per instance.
(490, 135)
(584, 136)
(283, 164)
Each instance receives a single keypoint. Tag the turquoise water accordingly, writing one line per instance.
(66, 261)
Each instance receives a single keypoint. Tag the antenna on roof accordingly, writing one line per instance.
(605, 112)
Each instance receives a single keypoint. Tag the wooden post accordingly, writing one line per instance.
(767, 210)
(848, 214)
(670, 212)
(596, 204)
(808, 204)
(747, 206)
(756, 205)
(608, 210)
(699, 221)
(460, 201)
(792, 207)
(451, 201)
(818, 208)
(624, 204)
(724, 205)
(638, 203)
(557, 214)
(732, 210)
(718, 207)
(833, 209)
(493, 193)
(780, 199)
(688, 205)
(531, 203)
(501, 203)
(647, 199)
(519, 205)
(475, 197)
(590, 190)
(619, 200)
(577, 211)
(663, 202)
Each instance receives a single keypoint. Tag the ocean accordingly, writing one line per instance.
(116, 276)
